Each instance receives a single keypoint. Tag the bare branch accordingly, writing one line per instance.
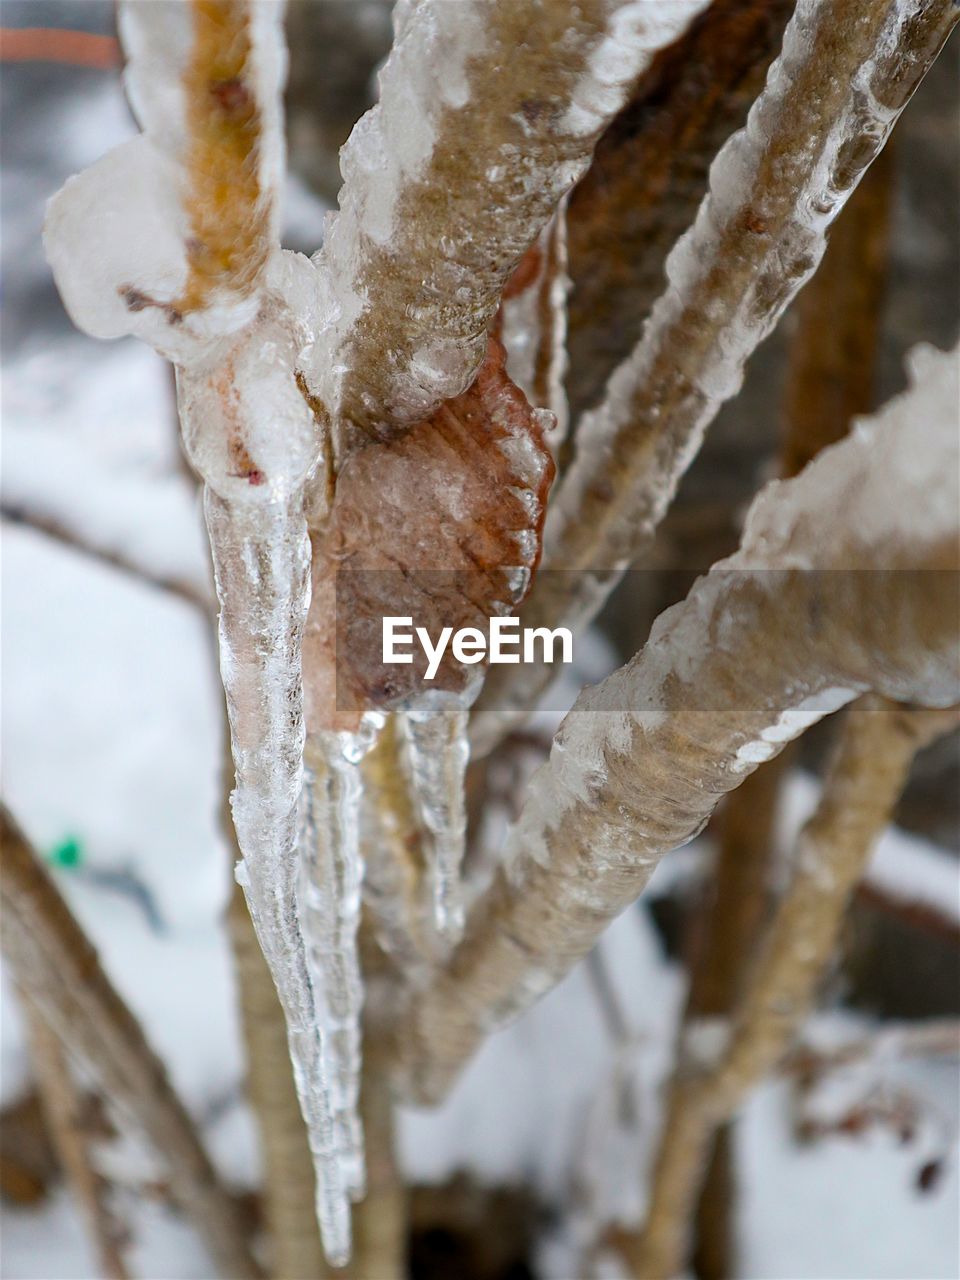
(182, 588)
(56, 965)
(649, 174)
(727, 679)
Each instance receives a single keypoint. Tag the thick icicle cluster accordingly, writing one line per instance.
(174, 237)
(441, 526)
(865, 540)
(479, 131)
(846, 71)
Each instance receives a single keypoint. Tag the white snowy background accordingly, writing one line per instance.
(112, 735)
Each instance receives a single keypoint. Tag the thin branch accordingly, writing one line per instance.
(64, 1106)
(847, 69)
(182, 588)
(727, 679)
(862, 786)
(58, 968)
(478, 133)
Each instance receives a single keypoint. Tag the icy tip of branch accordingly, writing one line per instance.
(914, 446)
(169, 236)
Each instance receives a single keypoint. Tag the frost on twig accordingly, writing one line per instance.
(846, 71)
(863, 783)
(728, 677)
(61, 974)
(478, 133)
(174, 237)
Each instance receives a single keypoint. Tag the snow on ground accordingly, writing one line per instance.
(112, 737)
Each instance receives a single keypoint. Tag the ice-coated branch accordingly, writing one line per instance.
(845, 582)
(488, 113)
(863, 783)
(59, 970)
(847, 69)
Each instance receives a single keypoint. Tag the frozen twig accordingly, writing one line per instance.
(847, 69)
(728, 677)
(862, 786)
(478, 133)
(59, 970)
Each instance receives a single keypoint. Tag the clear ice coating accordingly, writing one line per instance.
(760, 233)
(332, 876)
(434, 727)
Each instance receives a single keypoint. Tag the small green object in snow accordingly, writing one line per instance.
(68, 853)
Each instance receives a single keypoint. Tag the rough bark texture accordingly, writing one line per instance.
(58, 968)
(862, 786)
(648, 176)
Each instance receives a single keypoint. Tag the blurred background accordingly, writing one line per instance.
(112, 743)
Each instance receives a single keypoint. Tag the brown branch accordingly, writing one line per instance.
(918, 915)
(55, 529)
(294, 1248)
(833, 349)
(64, 1106)
(862, 786)
(425, 243)
(649, 174)
(58, 968)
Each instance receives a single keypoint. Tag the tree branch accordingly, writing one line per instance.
(59, 969)
(761, 648)
(478, 133)
(774, 190)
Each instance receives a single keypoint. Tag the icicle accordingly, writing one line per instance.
(434, 727)
(173, 237)
(261, 560)
(330, 910)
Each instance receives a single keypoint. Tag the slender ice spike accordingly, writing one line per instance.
(434, 727)
(261, 561)
(332, 875)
